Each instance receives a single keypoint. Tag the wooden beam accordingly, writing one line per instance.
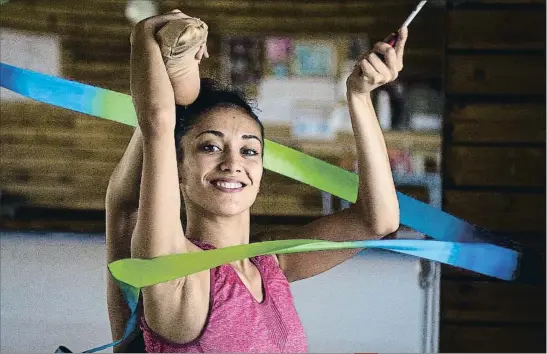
(496, 122)
(480, 301)
(495, 29)
(495, 166)
(495, 74)
(497, 211)
(492, 338)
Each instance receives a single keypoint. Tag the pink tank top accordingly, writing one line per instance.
(236, 321)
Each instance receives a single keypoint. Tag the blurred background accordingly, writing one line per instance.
(470, 102)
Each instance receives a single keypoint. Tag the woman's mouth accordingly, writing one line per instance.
(228, 186)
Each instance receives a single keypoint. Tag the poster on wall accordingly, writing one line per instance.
(314, 58)
(279, 52)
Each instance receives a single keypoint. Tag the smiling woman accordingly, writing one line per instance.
(220, 145)
(202, 147)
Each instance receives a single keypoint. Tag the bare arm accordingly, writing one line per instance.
(124, 190)
(122, 199)
(122, 204)
(158, 230)
(376, 211)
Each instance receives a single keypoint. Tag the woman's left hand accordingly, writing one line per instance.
(371, 72)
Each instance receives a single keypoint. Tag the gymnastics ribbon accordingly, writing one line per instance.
(458, 243)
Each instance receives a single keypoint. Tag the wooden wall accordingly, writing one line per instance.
(494, 166)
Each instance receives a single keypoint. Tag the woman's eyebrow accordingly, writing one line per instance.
(214, 132)
(221, 135)
(250, 136)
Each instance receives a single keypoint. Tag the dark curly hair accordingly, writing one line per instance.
(211, 95)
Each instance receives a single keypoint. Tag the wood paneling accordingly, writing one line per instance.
(504, 29)
(37, 118)
(61, 139)
(59, 176)
(492, 339)
(498, 211)
(63, 197)
(414, 141)
(495, 74)
(494, 136)
(296, 199)
(495, 166)
(496, 122)
(479, 301)
(21, 151)
(58, 158)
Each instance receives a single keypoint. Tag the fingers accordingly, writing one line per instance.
(382, 65)
(391, 63)
(378, 71)
(369, 73)
(400, 46)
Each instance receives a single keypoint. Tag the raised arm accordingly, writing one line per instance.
(376, 211)
(158, 230)
(124, 189)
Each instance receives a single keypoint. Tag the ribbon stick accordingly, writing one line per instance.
(457, 243)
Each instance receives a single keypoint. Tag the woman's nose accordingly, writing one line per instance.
(231, 162)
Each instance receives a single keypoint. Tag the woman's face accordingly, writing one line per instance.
(222, 166)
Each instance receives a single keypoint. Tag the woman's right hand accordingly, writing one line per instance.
(151, 89)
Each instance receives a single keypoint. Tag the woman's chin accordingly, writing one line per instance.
(225, 206)
(226, 209)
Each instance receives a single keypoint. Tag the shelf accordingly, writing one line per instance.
(343, 145)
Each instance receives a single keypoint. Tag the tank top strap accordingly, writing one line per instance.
(267, 265)
(204, 246)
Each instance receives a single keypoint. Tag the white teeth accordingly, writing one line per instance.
(229, 185)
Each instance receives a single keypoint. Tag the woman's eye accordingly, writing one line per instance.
(249, 152)
(210, 148)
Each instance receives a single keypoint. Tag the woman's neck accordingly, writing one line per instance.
(219, 231)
